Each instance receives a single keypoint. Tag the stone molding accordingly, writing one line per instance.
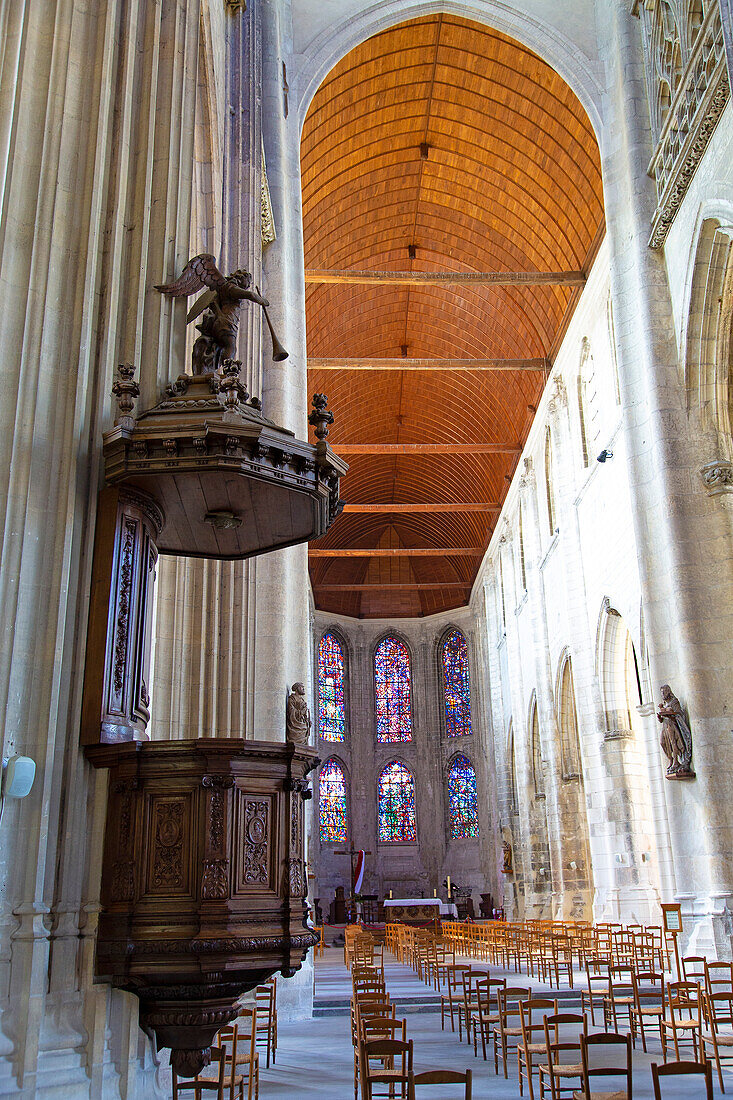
(717, 477)
(268, 231)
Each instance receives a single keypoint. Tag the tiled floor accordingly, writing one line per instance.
(315, 1059)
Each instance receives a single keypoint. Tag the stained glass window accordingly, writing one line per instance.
(462, 798)
(332, 802)
(455, 685)
(397, 804)
(392, 688)
(331, 704)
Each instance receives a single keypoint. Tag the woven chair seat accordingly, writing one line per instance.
(578, 1094)
(568, 1069)
(723, 1036)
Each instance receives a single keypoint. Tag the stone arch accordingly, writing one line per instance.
(328, 48)
(539, 883)
(567, 716)
(550, 502)
(584, 417)
(619, 672)
(709, 346)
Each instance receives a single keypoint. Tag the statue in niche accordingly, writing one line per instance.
(676, 737)
(298, 720)
(508, 867)
(220, 305)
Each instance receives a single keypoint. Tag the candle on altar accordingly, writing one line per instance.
(435, 893)
(390, 895)
(448, 881)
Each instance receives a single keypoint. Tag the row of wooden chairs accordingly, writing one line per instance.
(383, 1055)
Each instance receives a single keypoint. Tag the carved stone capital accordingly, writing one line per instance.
(528, 478)
(717, 477)
(559, 398)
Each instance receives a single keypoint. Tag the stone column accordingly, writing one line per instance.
(687, 579)
(95, 174)
(204, 650)
(281, 655)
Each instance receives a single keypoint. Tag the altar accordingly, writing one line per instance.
(418, 909)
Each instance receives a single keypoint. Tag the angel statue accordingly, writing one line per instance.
(220, 305)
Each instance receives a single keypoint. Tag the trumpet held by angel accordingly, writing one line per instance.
(220, 304)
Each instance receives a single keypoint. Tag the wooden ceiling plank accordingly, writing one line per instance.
(376, 364)
(441, 278)
(427, 448)
(394, 587)
(401, 552)
(433, 507)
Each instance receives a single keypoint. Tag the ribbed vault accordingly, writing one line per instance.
(437, 146)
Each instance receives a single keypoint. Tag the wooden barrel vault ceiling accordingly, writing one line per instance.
(438, 146)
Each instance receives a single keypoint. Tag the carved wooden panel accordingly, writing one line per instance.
(256, 841)
(168, 820)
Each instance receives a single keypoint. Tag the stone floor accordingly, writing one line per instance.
(314, 1058)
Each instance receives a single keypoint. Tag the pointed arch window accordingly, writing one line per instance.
(392, 688)
(331, 696)
(397, 822)
(522, 559)
(456, 688)
(549, 483)
(538, 775)
(462, 799)
(570, 740)
(332, 802)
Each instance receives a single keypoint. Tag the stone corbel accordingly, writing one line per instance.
(717, 477)
(528, 478)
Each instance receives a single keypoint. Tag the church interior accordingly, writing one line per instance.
(367, 528)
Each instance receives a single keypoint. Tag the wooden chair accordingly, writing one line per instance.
(243, 1036)
(393, 1068)
(376, 1027)
(596, 972)
(470, 1002)
(451, 1002)
(693, 969)
(620, 996)
(532, 1016)
(558, 1071)
(648, 1006)
(590, 1072)
(717, 1031)
(682, 1069)
(683, 1018)
(226, 1086)
(320, 947)
(443, 1077)
(719, 977)
(487, 1010)
(509, 1026)
(266, 999)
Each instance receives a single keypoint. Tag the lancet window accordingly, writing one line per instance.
(392, 689)
(550, 483)
(332, 802)
(462, 798)
(397, 822)
(456, 692)
(331, 697)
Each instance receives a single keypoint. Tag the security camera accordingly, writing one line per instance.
(604, 455)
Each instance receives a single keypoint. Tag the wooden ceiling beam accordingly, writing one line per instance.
(410, 586)
(409, 508)
(400, 552)
(318, 363)
(427, 448)
(441, 278)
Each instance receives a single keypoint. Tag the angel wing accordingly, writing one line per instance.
(199, 272)
(202, 302)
